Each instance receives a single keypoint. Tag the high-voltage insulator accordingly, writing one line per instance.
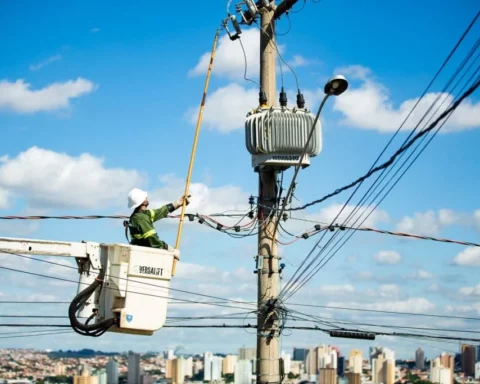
(276, 137)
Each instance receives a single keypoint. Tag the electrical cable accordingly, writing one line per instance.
(403, 149)
(246, 65)
(130, 280)
(404, 146)
(340, 190)
(304, 328)
(446, 114)
(139, 293)
(277, 49)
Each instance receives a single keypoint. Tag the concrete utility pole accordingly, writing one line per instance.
(268, 362)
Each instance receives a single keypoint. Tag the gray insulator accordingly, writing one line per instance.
(282, 131)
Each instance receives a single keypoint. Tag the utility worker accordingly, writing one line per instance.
(141, 221)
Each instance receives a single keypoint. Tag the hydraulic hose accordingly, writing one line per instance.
(85, 329)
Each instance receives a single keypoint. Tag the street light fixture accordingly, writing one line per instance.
(336, 85)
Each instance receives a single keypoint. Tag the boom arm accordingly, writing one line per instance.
(83, 250)
(86, 254)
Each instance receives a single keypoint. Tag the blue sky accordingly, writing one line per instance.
(98, 98)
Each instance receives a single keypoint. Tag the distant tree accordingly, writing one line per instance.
(229, 377)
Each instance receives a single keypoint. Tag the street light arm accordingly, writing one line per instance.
(299, 165)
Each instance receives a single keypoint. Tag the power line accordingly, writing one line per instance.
(305, 328)
(360, 180)
(319, 265)
(337, 227)
(140, 293)
(395, 155)
(122, 278)
(384, 311)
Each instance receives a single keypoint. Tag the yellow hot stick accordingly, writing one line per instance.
(194, 149)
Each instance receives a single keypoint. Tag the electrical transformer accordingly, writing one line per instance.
(276, 137)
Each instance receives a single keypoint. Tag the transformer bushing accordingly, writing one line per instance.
(276, 137)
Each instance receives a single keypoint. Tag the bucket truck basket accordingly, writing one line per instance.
(122, 288)
(136, 287)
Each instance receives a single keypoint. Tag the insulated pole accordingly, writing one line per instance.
(194, 147)
(268, 361)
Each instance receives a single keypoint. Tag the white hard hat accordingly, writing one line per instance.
(136, 197)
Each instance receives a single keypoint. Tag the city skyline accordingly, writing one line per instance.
(93, 106)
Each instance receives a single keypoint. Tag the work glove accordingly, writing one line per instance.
(179, 202)
(176, 252)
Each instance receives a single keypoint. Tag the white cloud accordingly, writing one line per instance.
(476, 218)
(299, 61)
(433, 288)
(369, 106)
(468, 257)
(422, 274)
(18, 96)
(226, 108)
(229, 59)
(335, 290)
(416, 305)
(50, 179)
(195, 271)
(388, 290)
(3, 198)
(328, 214)
(204, 200)
(428, 223)
(387, 257)
(51, 59)
(470, 291)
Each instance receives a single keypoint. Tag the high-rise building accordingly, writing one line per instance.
(477, 371)
(371, 352)
(212, 367)
(311, 361)
(112, 371)
(287, 362)
(478, 353)
(85, 379)
(355, 361)
(468, 360)
(354, 378)
(383, 366)
(179, 368)
(134, 372)
(340, 365)
(243, 372)
(228, 364)
(299, 354)
(419, 359)
(327, 357)
(327, 376)
(84, 370)
(247, 354)
(101, 374)
(439, 373)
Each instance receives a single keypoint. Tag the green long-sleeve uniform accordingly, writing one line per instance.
(143, 232)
